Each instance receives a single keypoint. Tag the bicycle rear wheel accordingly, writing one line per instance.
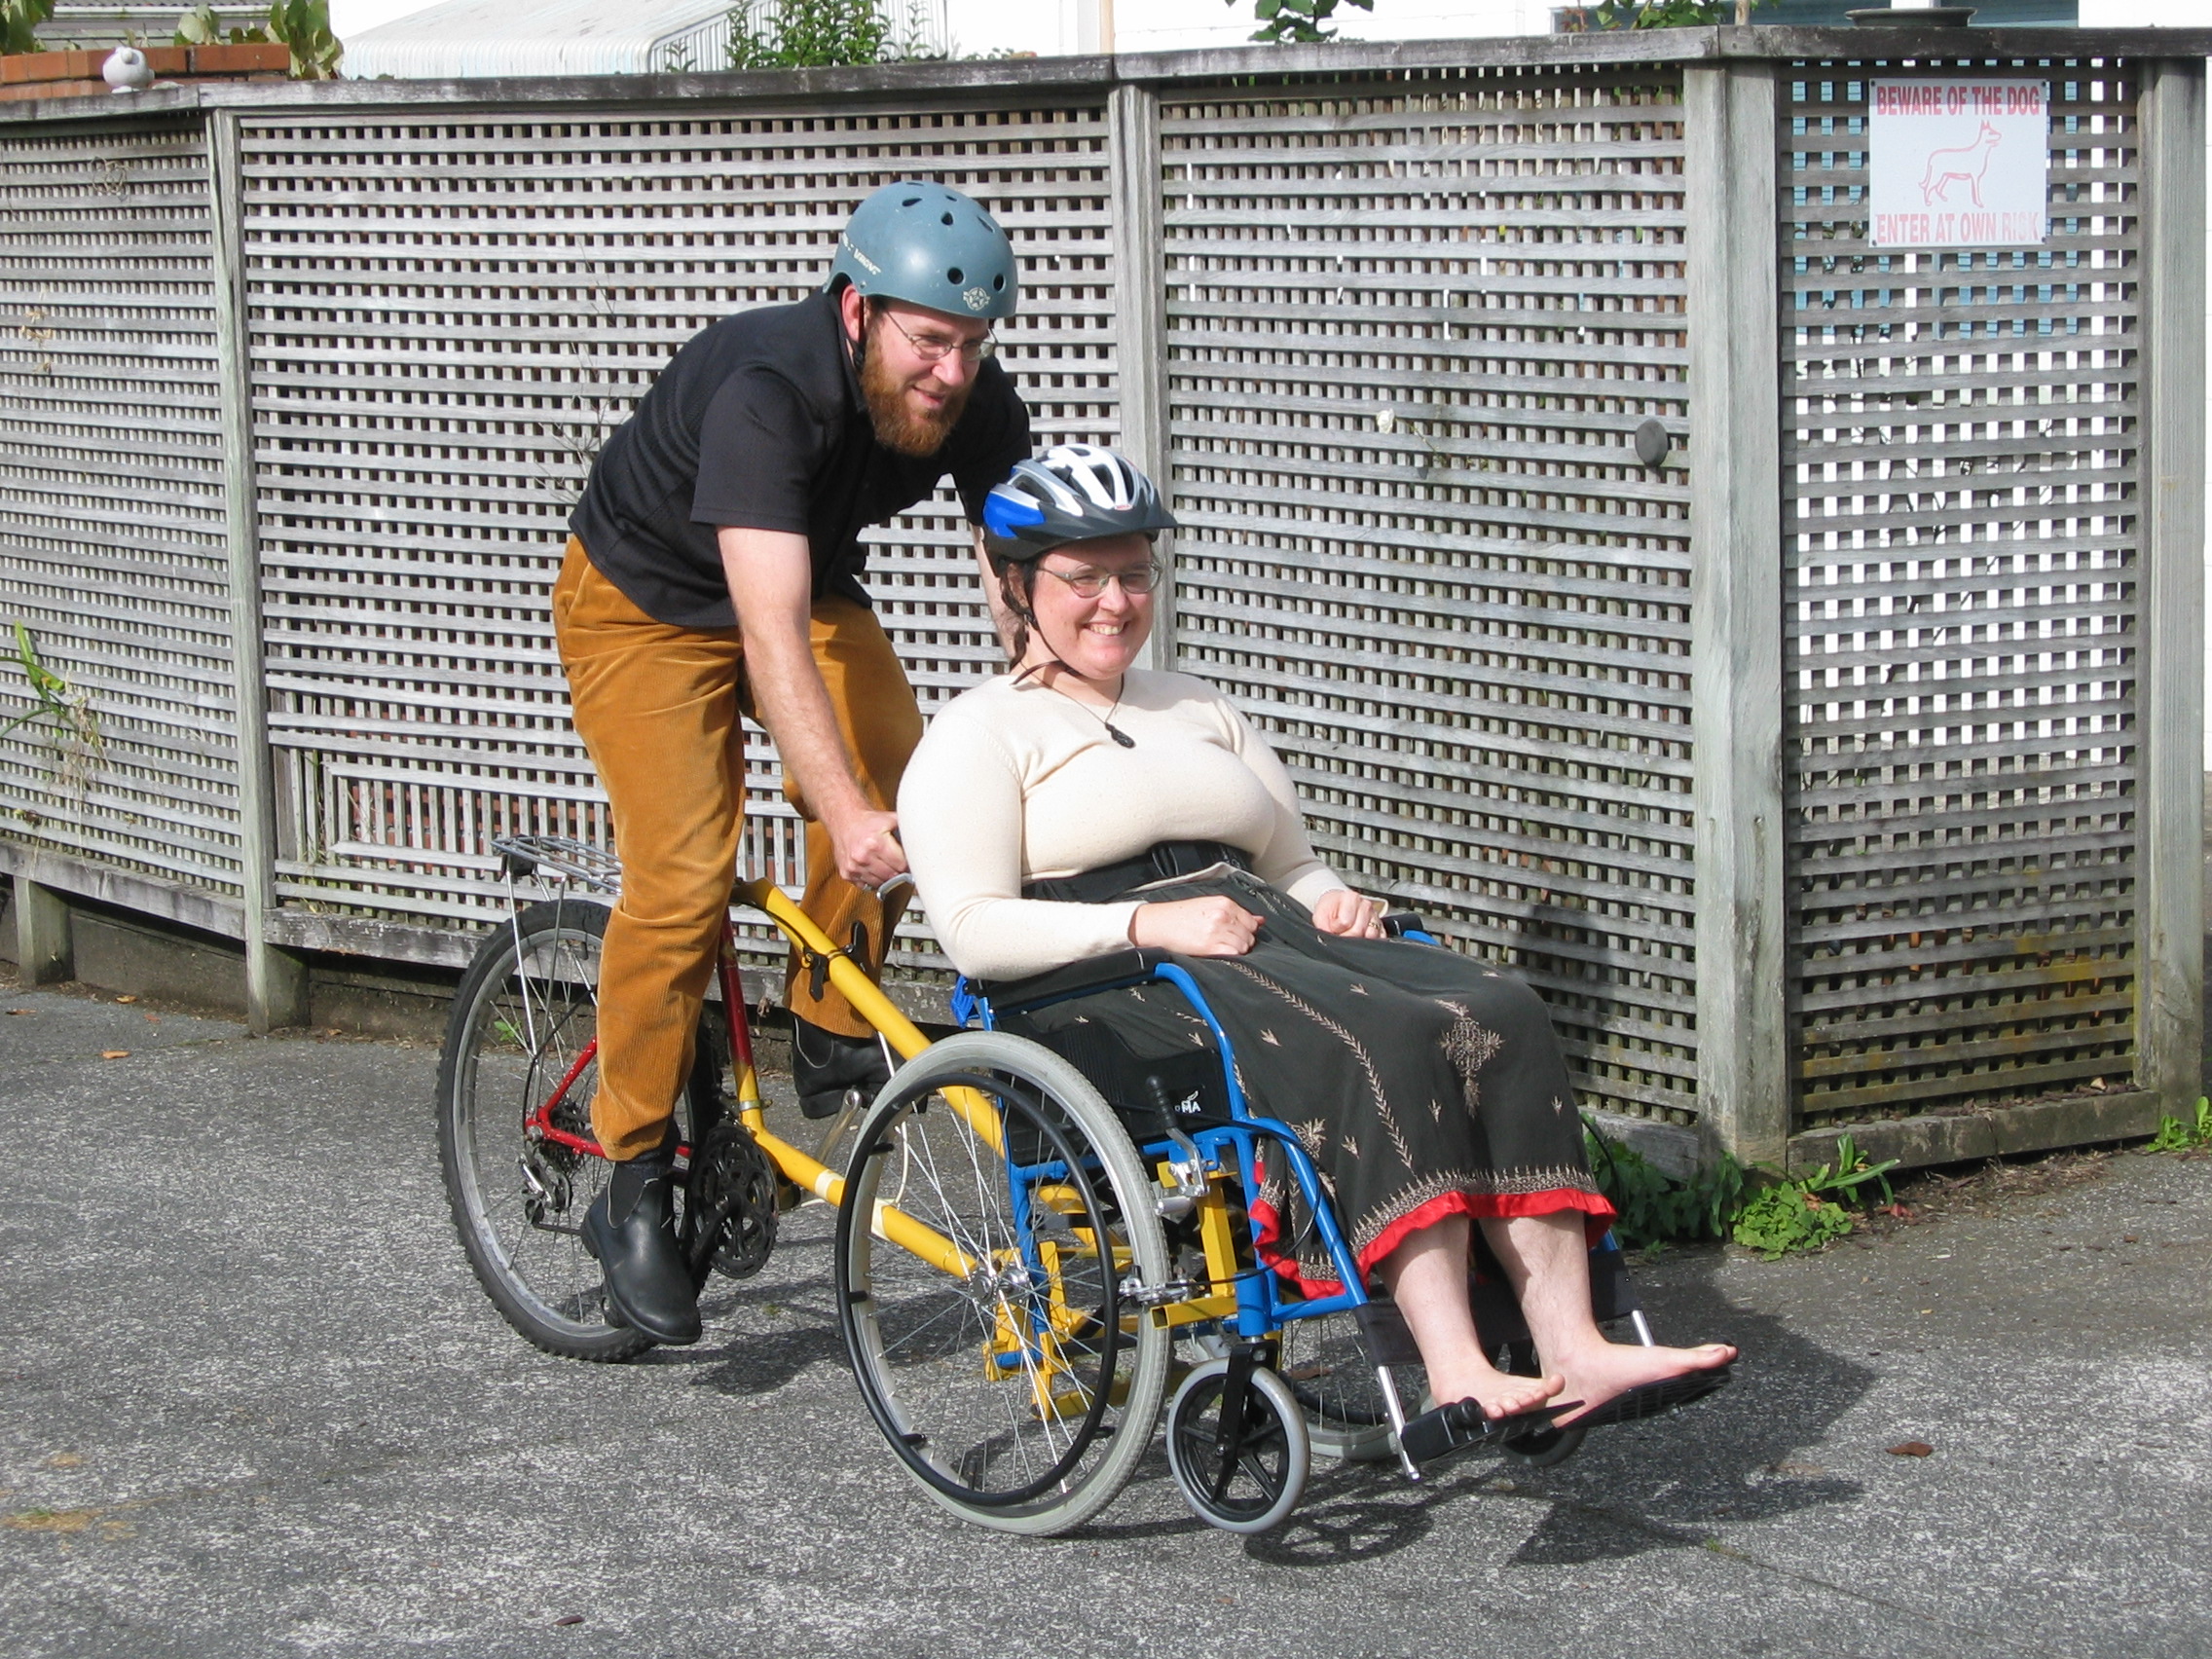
(525, 1013)
(1020, 1390)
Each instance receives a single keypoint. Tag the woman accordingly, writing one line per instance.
(1039, 814)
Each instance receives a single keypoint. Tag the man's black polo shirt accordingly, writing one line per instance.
(760, 423)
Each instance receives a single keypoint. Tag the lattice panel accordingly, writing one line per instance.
(1411, 328)
(448, 318)
(111, 503)
(1960, 473)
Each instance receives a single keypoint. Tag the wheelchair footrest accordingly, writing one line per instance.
(1461, 1426)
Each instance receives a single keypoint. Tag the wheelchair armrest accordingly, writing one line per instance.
(1399, 923)
(1092, 974)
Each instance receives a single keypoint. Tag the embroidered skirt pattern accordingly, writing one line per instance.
(1422, 1083)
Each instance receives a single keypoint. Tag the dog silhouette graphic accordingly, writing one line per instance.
(1968, 161)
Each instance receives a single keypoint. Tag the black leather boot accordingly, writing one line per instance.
(833, 1071)
(630, 1229)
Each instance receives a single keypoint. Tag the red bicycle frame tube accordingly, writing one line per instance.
(541, 1119)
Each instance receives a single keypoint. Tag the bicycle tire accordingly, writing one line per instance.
(1023, 1397)
(522, 1014)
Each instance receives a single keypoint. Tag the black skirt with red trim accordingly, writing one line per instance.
(1424, 1084)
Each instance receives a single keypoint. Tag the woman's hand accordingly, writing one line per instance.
(1196, 926)
(1341, 912)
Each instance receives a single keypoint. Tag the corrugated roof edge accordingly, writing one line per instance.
(1934, 47)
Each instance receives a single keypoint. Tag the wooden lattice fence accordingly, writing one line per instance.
(1830, 765)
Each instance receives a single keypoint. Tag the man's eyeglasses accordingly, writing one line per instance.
(936, 348)
(1091, 584)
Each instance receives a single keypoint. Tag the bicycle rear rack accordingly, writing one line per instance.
(567, 859)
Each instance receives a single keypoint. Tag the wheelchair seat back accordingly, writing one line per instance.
(1151, 1096)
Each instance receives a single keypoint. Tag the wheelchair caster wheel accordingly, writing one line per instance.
(1245, 1475)
(1544, 1448)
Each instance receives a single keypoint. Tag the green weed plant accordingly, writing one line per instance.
(1787, 1218)
(1652, 1208)
(2179, 1134)
(1777, 1219)
(76, 738)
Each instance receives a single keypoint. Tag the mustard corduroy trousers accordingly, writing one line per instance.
(659, 709)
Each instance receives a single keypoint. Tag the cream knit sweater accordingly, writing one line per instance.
(1017, 783)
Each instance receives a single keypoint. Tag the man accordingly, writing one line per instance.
(713, 568)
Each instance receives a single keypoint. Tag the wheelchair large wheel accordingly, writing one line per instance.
(1021, 1391)
(1326, 1365)
(1247, 1476)
(523, 1016)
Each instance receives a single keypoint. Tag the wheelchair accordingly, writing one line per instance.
(1109, 1275)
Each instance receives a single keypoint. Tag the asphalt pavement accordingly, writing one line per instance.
(253, 1403)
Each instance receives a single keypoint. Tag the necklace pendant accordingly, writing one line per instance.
(1120, 736)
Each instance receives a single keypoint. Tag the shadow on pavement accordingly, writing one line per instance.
(1661, 1486)
(1667, 1484)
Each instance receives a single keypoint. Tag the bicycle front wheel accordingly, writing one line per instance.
(1006, 1348)
(514, 1104)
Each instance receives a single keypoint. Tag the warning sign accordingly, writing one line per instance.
(1959, 163)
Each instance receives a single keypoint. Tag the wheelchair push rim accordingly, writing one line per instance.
(1022, 1393)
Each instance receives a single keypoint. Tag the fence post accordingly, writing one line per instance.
(1736, 690)
(1140, 320)
(44, 945)
(2169, 682)
(276, 980)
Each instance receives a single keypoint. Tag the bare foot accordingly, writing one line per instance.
(1500, 1393)
(1605, 1371)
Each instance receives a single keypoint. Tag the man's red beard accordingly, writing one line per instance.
(897, 427)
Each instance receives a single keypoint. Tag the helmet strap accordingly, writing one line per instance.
(1025, 614)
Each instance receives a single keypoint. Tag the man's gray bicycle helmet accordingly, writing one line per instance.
(1071, 492)
(929, 245)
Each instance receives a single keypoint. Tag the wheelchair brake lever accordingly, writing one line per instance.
(1190, 1178)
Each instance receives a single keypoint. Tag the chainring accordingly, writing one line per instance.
(731, 1196)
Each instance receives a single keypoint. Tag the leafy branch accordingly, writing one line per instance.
(304, 25)
(825, 34)
(1670, 13)
(1298, 22)
(19, 24)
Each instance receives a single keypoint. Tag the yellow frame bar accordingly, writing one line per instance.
(868, 1001)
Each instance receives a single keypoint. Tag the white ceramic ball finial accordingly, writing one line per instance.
(127, 70)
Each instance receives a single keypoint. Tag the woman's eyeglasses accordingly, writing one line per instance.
(936, 348)
(1091, 584)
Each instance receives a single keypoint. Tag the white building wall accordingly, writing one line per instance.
(358, 16)
(1066, 26)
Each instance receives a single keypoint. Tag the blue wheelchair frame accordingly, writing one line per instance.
(1262, 1307)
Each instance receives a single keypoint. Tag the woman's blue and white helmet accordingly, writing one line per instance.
(930, 245)
(1071, 492)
